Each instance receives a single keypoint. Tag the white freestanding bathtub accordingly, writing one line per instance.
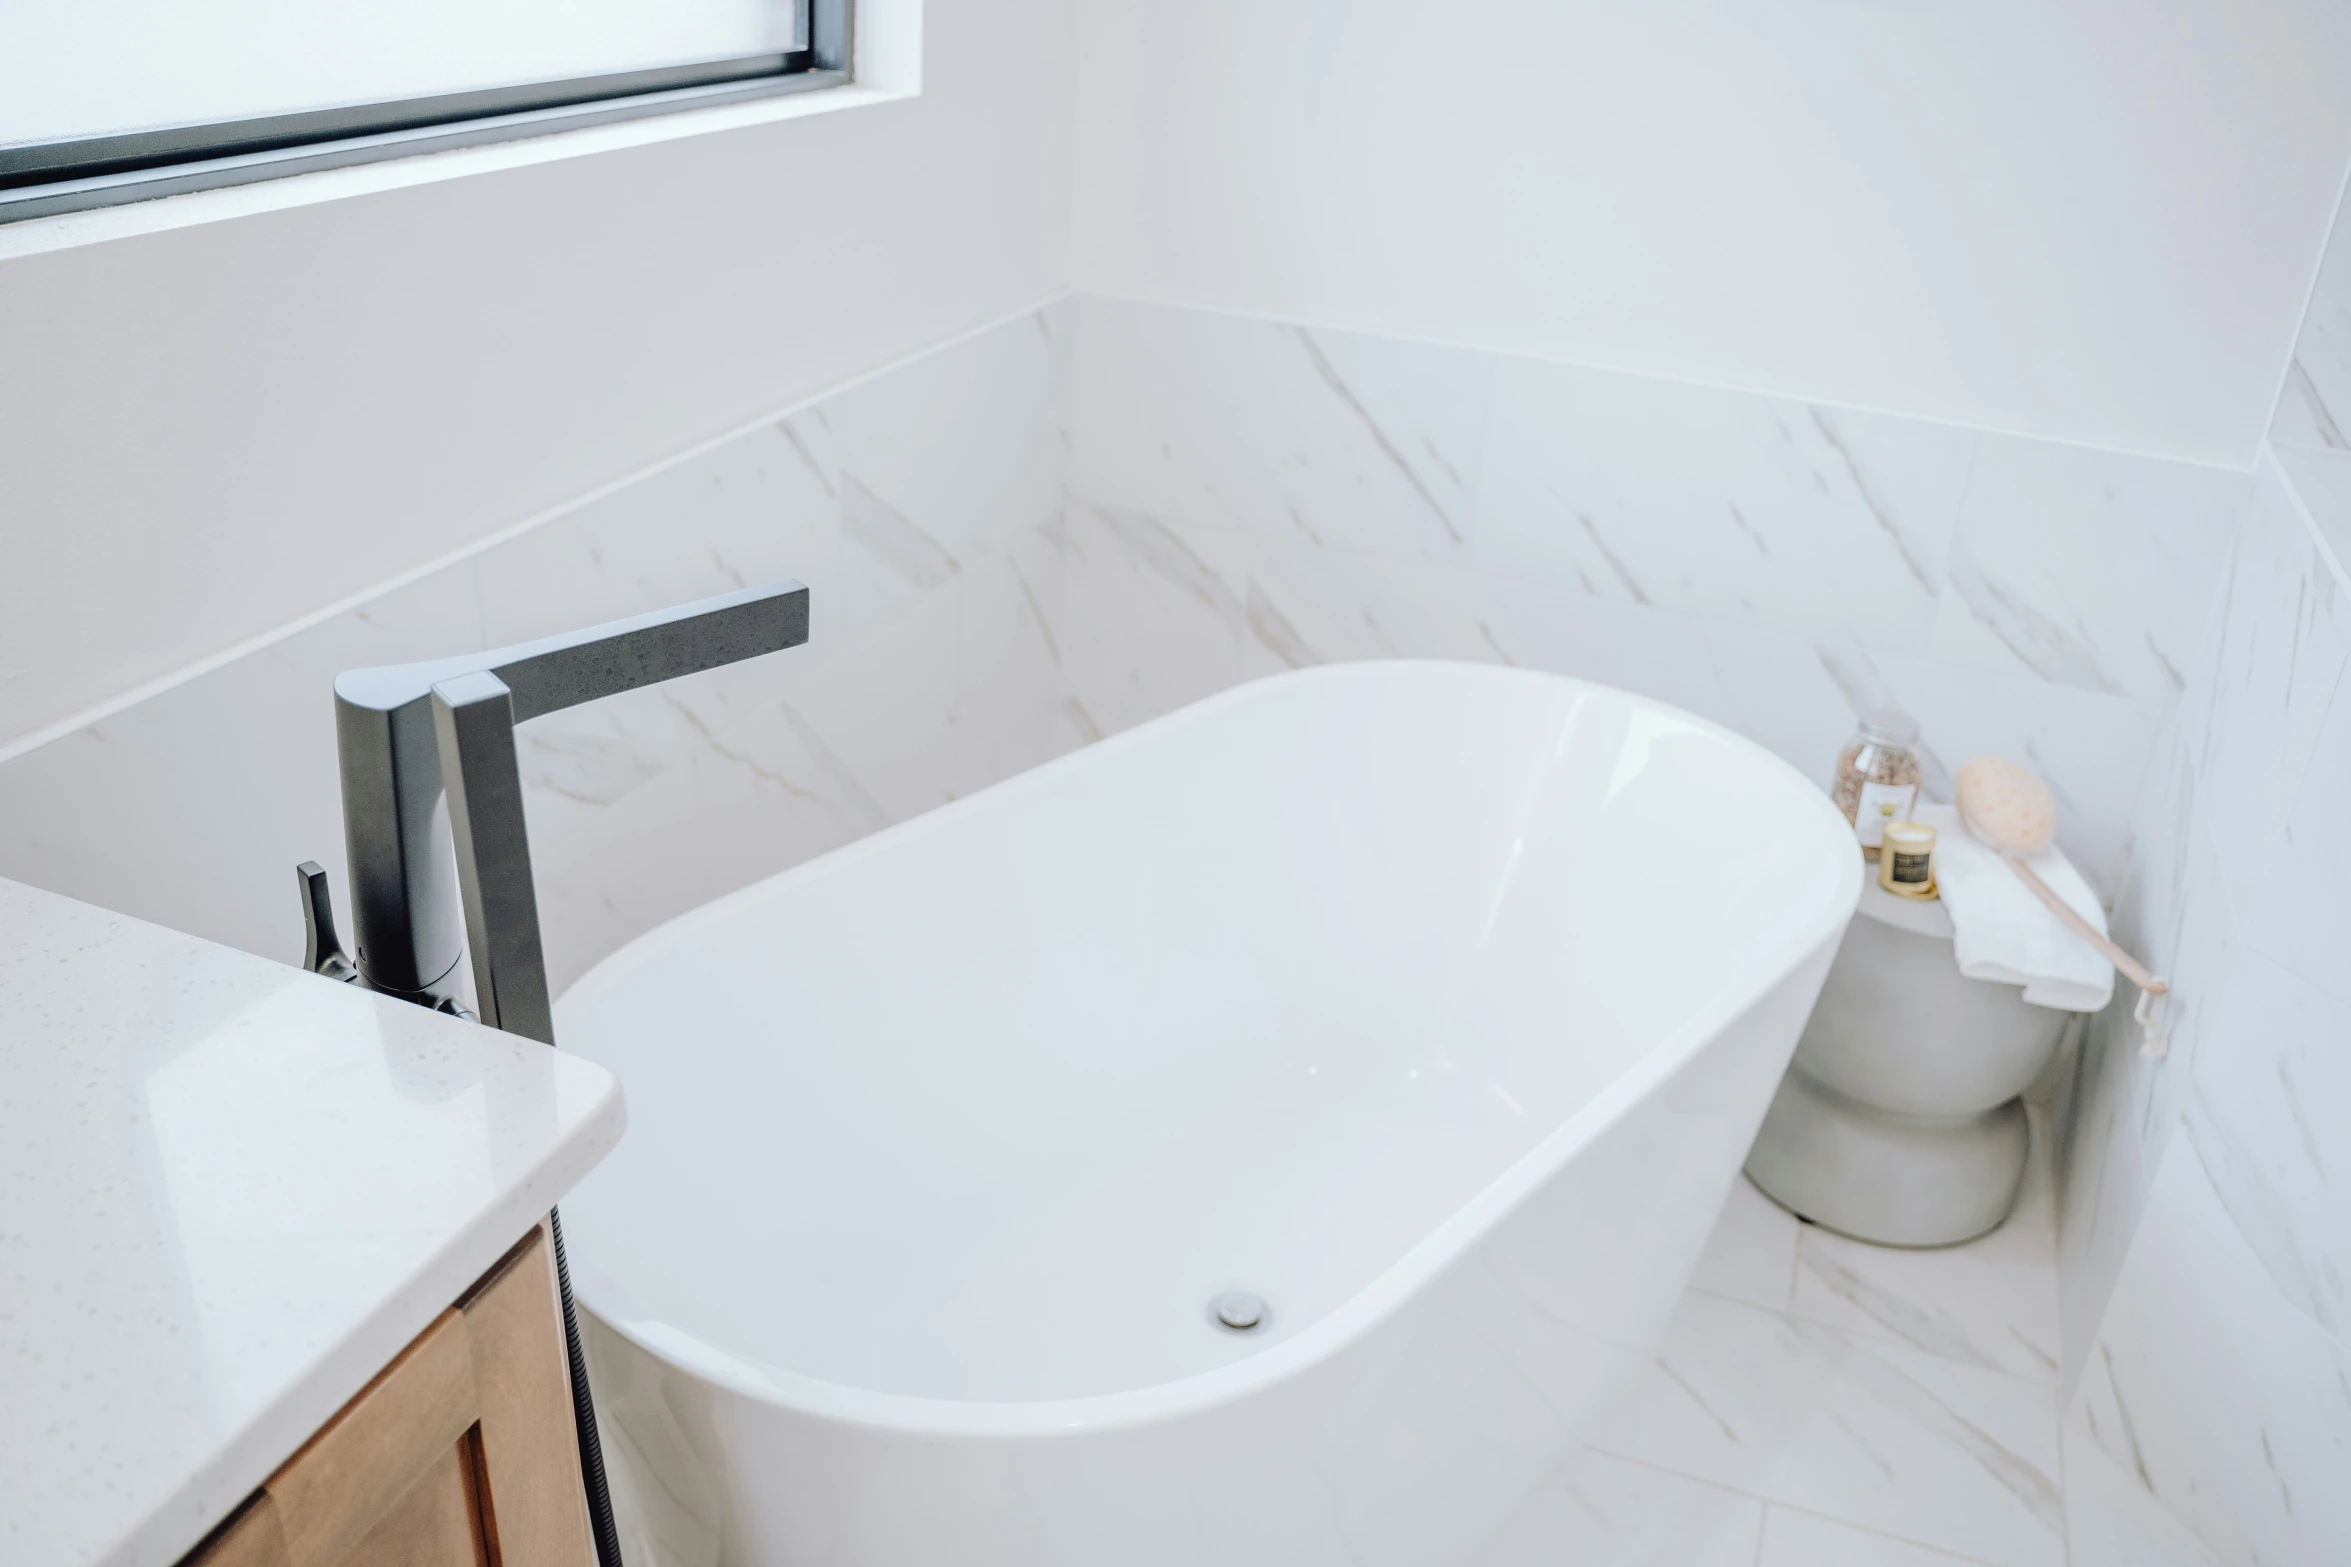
(1434, 1004)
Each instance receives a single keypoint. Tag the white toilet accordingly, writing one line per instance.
(1900, 1121)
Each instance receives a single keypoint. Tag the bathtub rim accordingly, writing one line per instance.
(1770, 963)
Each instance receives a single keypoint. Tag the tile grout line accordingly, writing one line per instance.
(1770, 1502)
(1888, 1337)
(1654, 1466)
(1880, 1333)
(1867, 1342)
(2316, 535)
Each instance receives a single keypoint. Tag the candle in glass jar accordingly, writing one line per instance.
(1907, 867)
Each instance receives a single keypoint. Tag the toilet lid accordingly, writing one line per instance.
(1928, 917)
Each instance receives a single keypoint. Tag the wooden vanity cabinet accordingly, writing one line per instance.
(461, 1452)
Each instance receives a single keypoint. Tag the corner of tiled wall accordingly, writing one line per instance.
(2206, 1235)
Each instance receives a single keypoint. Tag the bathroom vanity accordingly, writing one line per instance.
(275, 1286)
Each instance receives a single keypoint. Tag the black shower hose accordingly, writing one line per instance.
(583, 1413)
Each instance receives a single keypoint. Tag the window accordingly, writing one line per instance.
(117, 100)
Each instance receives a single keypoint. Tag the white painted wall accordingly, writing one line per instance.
(211, 431)
(2094, 220)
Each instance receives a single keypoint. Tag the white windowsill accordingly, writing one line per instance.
(887, 68)
(66, 230)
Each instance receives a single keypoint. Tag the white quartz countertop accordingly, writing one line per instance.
(230, 1192)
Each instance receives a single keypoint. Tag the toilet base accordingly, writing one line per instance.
(1892, 1179)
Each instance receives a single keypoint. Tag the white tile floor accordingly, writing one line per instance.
(1822, 1403)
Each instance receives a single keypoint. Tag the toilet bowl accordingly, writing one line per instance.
(1900, 1120)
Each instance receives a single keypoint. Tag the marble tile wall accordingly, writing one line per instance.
(2215, 1414)
(2205, 1259)
(1247, 496)
(2205, 1263)
(920, 506)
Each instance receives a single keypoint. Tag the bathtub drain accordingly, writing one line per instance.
(1238, 1310)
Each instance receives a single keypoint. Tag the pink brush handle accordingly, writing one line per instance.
(2131, 967)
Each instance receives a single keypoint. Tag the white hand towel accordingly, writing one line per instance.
(2002, 933)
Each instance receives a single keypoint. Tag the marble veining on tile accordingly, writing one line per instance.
(2087, 568)
(1691, 498)
(1797, 1539)
(1325, 438)
(2304, 419)
(893, 538)
(1150, 624)
(2314, 407)
(2293, 902)
(1441, 480)
(2229, 1408)
(1602, 1509)
(2112, 1520)
(1986, 1310)
(1990, 1303)
(1008, 660)
(2321, 482)
(2202, 1250)
(1942, 1454)
(2269, 1098)
(2127, 1102)
(2271, 698)
(1687, 542)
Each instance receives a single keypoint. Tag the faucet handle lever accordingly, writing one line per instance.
(322, 951)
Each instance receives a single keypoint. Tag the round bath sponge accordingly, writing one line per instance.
(2005, 804)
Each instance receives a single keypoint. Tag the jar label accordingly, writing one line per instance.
(1882, 803)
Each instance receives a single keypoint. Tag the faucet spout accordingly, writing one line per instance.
(409, 893)
(440, 859)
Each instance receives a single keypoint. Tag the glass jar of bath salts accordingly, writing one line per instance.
(1878, 775)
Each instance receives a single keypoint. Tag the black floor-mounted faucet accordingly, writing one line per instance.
(440, 860)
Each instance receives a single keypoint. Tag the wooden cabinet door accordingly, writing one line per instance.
(460, 1453)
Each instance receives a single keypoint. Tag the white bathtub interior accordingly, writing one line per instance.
(988, 1107)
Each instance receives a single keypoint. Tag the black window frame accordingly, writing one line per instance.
(43, 179)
